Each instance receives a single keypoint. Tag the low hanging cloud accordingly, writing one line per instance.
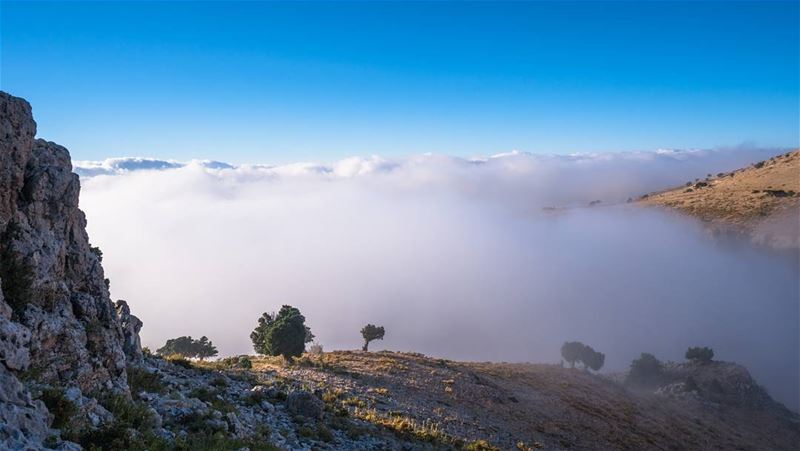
(458, 258)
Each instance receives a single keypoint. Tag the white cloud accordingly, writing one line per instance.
(456, 257)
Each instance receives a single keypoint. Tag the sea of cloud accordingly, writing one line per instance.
(458, 258)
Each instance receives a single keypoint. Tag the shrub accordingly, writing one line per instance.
(212, 397)
(16, 274)
(63, 409)
(179, 360)
(208, 440)
(241, 361)
(97, 252)
(370, 333)
(698, 354)
(141, 380)
(244, 363)
(132, 427)
(480, 445)
(284, 333)
(315, 349)
(646, 371)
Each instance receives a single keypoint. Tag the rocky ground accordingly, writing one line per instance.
(388, 400)
(761, 201)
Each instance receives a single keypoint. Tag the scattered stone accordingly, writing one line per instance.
(305, 404)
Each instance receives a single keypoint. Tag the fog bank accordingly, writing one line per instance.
(455, 257)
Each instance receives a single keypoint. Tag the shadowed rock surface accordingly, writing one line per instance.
(57, 323)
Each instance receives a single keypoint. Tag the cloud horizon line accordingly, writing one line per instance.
(361, 165)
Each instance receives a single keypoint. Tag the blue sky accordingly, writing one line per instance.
(280, 82)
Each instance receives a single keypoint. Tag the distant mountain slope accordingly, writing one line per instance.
(762, 200)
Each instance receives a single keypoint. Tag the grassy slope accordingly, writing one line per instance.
(542, 406)
(741, 198)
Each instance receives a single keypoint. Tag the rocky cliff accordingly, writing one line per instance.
(58, 325)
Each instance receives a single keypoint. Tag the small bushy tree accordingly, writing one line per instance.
(646, 371)
(205, 348)
(188, 347)
(284, 333)
(591, 358)
(371, 332)
(700, 354)
(571, 352)
(575, 351)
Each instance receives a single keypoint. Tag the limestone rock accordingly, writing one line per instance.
(131, 325)
(57, 322)
(304, 403)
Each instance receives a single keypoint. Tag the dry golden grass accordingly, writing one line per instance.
(520, 406)
(739, 198)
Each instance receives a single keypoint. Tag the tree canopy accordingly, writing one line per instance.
(575, 351)
(646, 371)
(189, 347)
(698, 354)
(371, 332)
(284, 333)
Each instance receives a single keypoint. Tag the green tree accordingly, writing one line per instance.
(571, 352)
(204, 348)
(283, 334)
(698, 354)
(188, 347)
(575, 351)
(182, 346)
(371, 332)
(591, 358)
(646, 371)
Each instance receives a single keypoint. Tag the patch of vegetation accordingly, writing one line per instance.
(196, 422)
(315, 350)
(646, 371)
(700, 354)
(179, 360)
(16, 273)
(408, 428)
(189, 347)
(132, 428)
(219, 382)
(575, 351)
(318, 432)
(141, 380)
(283, 334)
(354, 401)
(370, 333)
(480, 445)
(342, 423)
(213, 397)
(97, 252)
(218, 441)
(63, 409)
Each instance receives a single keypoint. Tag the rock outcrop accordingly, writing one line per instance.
(57, 323)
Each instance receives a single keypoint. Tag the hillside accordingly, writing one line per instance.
(761, 201)
(388, 400)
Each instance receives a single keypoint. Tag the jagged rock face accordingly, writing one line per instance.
(57, 322)
(131, 325)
